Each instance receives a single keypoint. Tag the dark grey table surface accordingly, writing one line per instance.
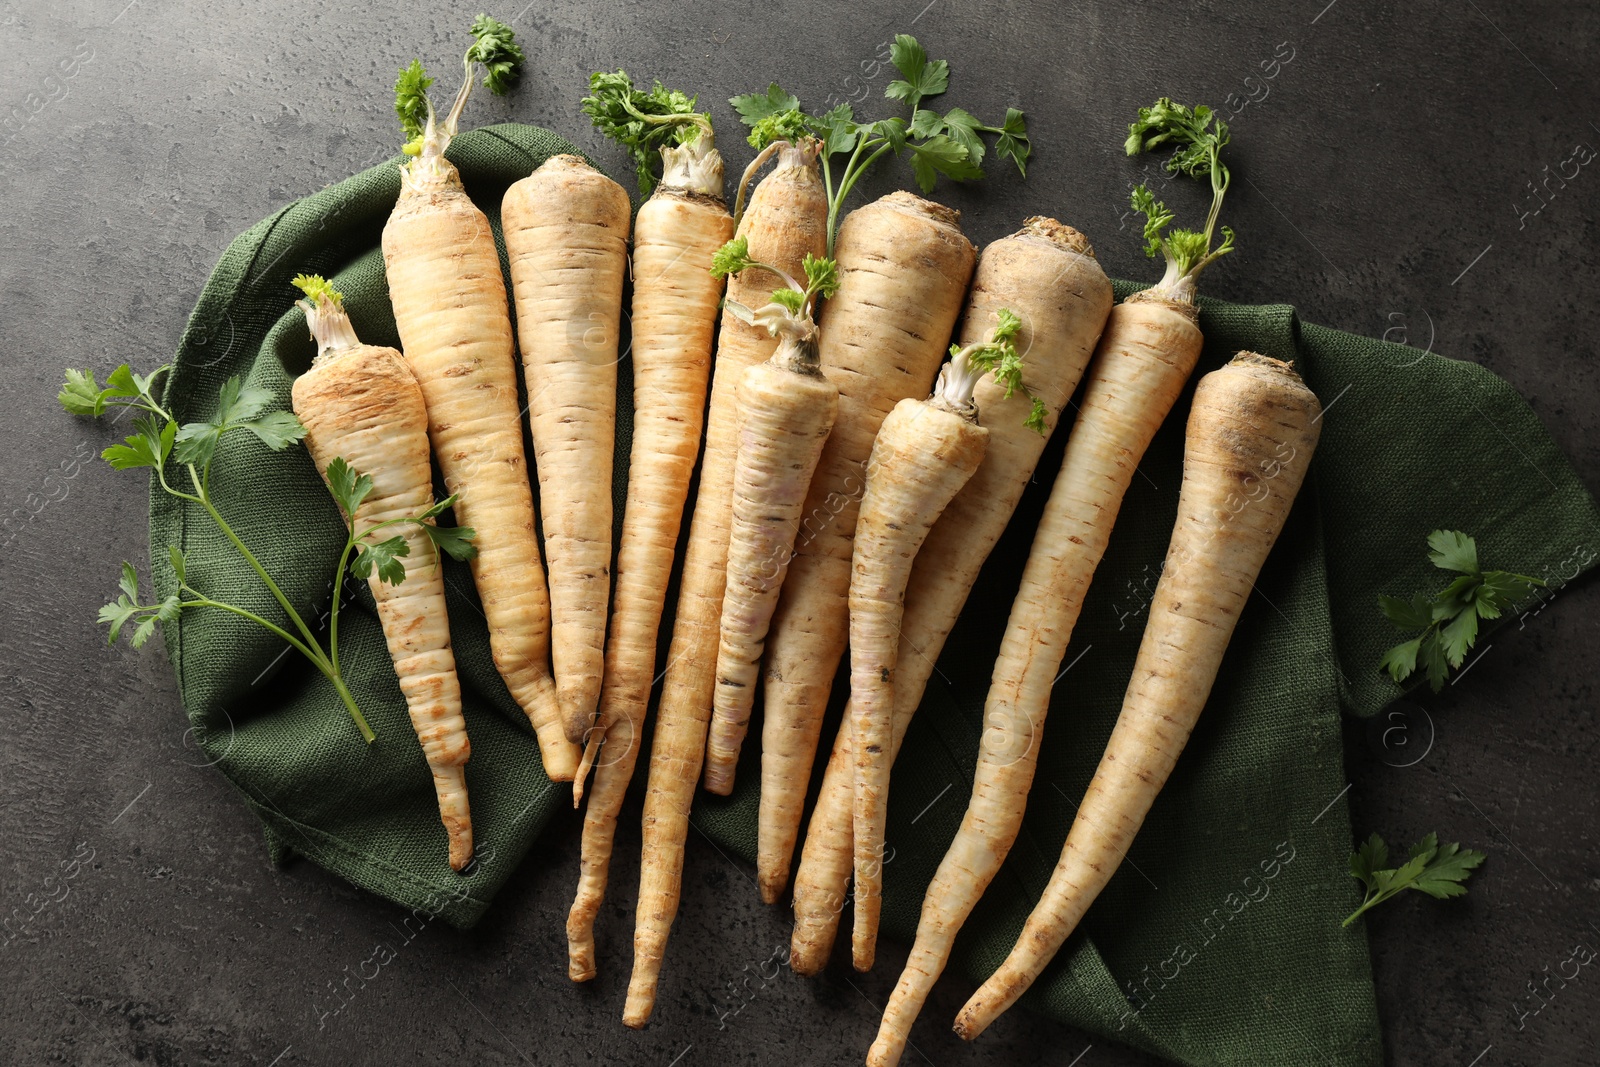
(1385, 185)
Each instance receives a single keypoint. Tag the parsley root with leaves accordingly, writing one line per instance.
(157, 442)
(363, 411)
(783, 226)
(1047, 273)
(786, 411)
(1249, 440)
(675, 303)
(924, 453)
(455, 329)
(1449, 619)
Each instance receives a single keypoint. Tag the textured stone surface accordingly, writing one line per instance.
(1381, 185)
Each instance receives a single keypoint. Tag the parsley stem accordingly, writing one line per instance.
(338, 595)
(272, 586)
(311, 652)
(1371, 900)
(853, 171)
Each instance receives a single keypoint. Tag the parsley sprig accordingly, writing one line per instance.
(643, 122)
(1449, 618)
(1197, 136)
(952, 144)
(997, 355)
(790, 312)
(1435, 869)
(159, 441)
(494, 47)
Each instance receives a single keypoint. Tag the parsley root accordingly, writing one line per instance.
(786, 411)
(1249, 440)
(675, 298)
(566, 232)
(363, 411)
(924, 453)
(450, 309)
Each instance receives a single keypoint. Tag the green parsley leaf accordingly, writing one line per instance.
(839, 129)
(1459, 636)
(822, 274)
(790, 299)
(129, 582)
(1401, 660)
(1452, 550)
(81, 394)
(893, 131)
(922, 78)
(1413, 614)
(925, 123)
(1449, 618)
(1165, 122)
(1446, 870)
(1431, 655)
(1013, 141)
(384, 556)
(1371, 856)
(784, 126)
(169, 609)
(1436, 870)
(348, 486)
(731, 258)
(239, 406)
(615, 105)
(149, 447)
(115, 614)
(276, 429)
(754, 107)
(180, 563)
(141, 634)
(495, 46)
(940, 155)
(962, 127)
(454, 541)
(1156, 217)
(411, 99)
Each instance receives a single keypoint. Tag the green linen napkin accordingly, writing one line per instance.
(1218, 941)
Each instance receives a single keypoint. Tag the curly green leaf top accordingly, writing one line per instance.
(1196, 134)
(790, 312)
(495, 48)
(643, 122)
(997, 356)
(318, 289)
(411, 99)
(731, 258)
(1197, 137)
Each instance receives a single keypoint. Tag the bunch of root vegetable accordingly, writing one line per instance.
(855, 475)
